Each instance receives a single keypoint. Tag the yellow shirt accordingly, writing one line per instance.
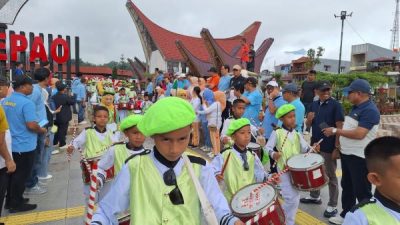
(3, 121)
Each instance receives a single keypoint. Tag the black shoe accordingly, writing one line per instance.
(330, 214)
(23, 208)
(309, 200)
(24, 200)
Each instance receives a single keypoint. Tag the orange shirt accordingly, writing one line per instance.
(244, 53)
(214, 80)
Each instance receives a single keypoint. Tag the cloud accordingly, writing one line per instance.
(106, 29)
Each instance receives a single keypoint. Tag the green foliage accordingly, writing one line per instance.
(278, 77)
(313, 57)
(114, 72)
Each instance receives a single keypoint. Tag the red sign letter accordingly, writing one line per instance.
(38, 53)
(14, 47)
(3, 36)
(60, 59)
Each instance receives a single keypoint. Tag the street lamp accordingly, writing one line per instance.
(343, 15)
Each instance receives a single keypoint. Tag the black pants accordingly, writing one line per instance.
(16, 186)
(61, 135)
(3, 186)
(354, 182)
(225, 114)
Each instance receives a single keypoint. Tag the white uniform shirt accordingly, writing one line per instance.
(80, 141)
(269, 148)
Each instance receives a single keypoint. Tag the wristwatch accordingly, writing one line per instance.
(334, 130)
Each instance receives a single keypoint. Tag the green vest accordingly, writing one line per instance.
(377, 215)
(149, 200)
(94, 147)
(120, 155)
(291, 147)
(235, 176)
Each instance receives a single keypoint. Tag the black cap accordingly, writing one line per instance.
(251, 80)
(323, 85)
(213, 69)
(4, 81)
(22, 80)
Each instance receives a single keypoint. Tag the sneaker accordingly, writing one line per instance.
(311, 200)
(54, 152)
(83, 122)
(338, 220)
(24, 201)
(330, 212)
(23, 208)
(64, 147)
(49, 176)
(36, 190)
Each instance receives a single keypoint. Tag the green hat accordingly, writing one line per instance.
(237, 125)
(108, 93)
(130, 121)
(283, 110)
(166, 115)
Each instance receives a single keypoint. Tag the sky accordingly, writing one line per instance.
(106, 29)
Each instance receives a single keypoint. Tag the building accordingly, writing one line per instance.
(283, 69)
(363, 54)
(173, 52)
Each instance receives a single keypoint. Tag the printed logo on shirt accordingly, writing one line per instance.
(13, 104)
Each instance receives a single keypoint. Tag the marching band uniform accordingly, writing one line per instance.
(113, 117)
(237, 175)
(227, 122)
(122, 99)
(294, 144)
(140, 186)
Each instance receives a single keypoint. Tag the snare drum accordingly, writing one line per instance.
(130, 106)
(86, 174)
(256, 198)
(307, 171)
(124, 220)
(122, 106)
(256, 148)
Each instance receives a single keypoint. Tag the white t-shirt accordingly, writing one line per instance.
(8, 143)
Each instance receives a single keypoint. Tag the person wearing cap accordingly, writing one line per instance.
(122, 98)
(24, 130)
(237, 78)
(360, 127)
(288, 143)
(155, 185)
(253, 99)
(116, 155)
(275, 101)
(7, 164)
(326, 112)
(291, 94)
(243, 166)
(107, 100)
(213, 80)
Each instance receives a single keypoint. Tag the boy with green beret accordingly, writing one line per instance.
(242, 167)
(288, 143)
(155, 185)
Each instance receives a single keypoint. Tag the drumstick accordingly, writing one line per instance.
(72, 140)
(312, 149)
(270, 180)
(225, 164)
(92, 195)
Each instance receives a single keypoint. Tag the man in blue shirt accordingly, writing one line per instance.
(74, 88)
(81, 101)
(253, 100)
(24, 129)
(159, 76)
(149, 88)
(19, 69)
(291, 95)
(224, 85)
(41, 76)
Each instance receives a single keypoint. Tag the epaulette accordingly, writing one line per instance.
(363, 203)
(197, 160)
(87, 128)
(251, 151)
(145, 152)
(118, 143)
(223, 150)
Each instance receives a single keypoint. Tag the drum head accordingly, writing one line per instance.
(304, 161)
(252, 198)
(252, 145)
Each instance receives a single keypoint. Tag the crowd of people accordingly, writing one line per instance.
(222, 113)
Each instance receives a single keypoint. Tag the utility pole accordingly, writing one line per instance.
(343, 16)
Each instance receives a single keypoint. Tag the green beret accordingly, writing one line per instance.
(236, 125)
(130, 121)
(283, 110)
(166, 115)
(108, 93)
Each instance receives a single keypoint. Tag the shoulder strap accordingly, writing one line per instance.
(363, 203)
(118, 143)
(88, 128)
(145, 152)
(197, 160)
(225, 149)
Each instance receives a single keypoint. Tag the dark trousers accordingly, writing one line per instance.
(37, 163)
(16, 186)
(354, 182)
(3, 186)
(61, 135)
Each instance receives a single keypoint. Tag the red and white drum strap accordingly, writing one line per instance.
(280, 150)
(72, 140)
(92, 195)
(260, 215)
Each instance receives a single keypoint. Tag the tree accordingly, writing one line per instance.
(313, 57)
(114, 72)
(122, 63)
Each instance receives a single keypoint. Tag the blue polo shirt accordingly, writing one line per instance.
(224, 82)
(330, 112)
(37, 98)
(366, 113)
(19, 110)
(270, 118)
(299, 111)
(149, 88)
(253, 109)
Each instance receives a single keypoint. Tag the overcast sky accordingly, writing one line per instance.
(106, 29)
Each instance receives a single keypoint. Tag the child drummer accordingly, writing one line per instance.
(289, 143)
(383, 162)
(155, 185)
(242, 167)
(118, 153)
(93, 140)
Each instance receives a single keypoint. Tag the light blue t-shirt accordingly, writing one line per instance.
(74, 85)
(149, 88)
(38, 100)
(168, 91)
(81, 93)
(159, 78)
(253, 109)
(19, 110)
(224, 82)
(183, 84)
(270, 118)
(300, 112)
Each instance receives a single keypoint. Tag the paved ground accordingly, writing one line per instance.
(63, 203)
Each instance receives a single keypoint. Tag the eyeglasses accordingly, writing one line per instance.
(175, 195)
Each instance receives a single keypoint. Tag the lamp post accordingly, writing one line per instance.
(343, 16)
